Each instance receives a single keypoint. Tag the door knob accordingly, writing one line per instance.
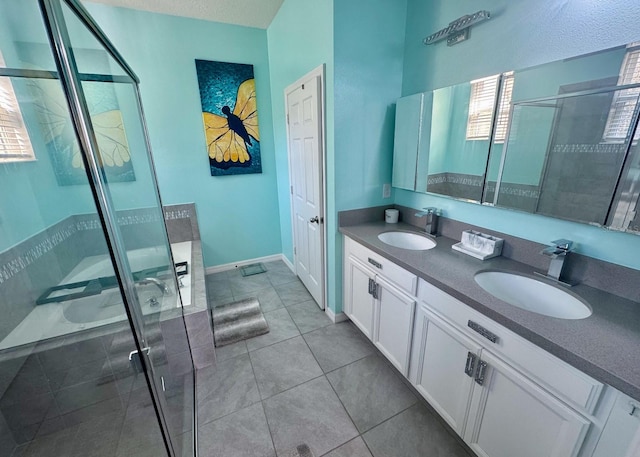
(314, 219)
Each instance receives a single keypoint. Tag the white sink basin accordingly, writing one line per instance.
(407, 240)
(533, 295)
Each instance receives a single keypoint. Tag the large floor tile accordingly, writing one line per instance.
(354, 448)
(308, 316)
(242, 285)
(231, 350)
(241, 434)
(411, 433)
(281, 276)
(337, 345)
(283, 365)
(293, 293)
(268, 298)
(281, 327)
(226, 387)
(308, 414)
(370, 391)
(56, 444)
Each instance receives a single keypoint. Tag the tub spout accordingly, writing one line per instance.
(157, 282)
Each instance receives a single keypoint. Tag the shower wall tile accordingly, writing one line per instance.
(182, 222)
(7, 443)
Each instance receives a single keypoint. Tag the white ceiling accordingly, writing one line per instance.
(251, 13)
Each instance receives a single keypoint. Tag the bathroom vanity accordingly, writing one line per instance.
(508, 381)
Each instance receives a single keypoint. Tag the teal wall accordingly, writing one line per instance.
(368, 50)
(300, 38)
(238, 215)
(30, 198)
(449, 121)
(520, 34)
(363, 59)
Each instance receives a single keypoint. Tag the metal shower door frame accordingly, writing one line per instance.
(71, 82)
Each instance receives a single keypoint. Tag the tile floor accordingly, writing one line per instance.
(308, 381)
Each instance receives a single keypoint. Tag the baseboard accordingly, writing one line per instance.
(335, 318)
(289, 264)
(231, 266)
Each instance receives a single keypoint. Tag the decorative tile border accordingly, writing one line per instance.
(454, 178)
(606, 148)
(18, 258)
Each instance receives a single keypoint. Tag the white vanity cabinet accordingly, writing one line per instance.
(510, 415)
(503, 395)
(358, 298)
(621, 434)
(379, 298)
(442, 367)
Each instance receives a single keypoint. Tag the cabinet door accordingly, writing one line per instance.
(443, 366)
(358, 302)
(621, 434)
(511, 416)
(394, 324)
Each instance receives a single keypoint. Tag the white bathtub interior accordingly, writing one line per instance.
(61, 318)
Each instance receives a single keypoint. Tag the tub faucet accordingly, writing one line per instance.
(558, 252)
(431, 226)
(157, 282)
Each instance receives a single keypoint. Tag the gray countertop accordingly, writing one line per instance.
(605, 345)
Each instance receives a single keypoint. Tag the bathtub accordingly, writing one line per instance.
(57, 319)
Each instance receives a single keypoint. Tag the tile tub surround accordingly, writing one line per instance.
(605, 345)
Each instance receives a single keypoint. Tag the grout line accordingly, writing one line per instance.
(266, 418)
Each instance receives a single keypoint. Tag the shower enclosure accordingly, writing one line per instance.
(94, 354)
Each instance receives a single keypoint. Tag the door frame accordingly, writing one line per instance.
(318, 72)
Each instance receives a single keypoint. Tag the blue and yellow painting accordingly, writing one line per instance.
(230, 117)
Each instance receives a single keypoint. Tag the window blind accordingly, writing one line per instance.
(624, 101)
(481, 102)
(15, 144)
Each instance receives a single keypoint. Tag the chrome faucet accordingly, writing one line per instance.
(157, 282)
(558, 253)
(431, 226)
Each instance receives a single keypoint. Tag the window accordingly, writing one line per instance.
(504, 108)
(624, 101)
(15, 144)
(481, 104)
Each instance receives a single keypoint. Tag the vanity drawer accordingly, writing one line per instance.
(560, 378)
(398, 275)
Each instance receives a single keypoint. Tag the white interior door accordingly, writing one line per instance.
(304, 114)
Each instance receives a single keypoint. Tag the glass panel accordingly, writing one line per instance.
(23, 38)
(90, 55)
(128, 180)
(559, 162)
(66, 384)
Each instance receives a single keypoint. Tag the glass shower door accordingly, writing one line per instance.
(104, 98)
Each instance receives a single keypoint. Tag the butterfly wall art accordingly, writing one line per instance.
(49, 104)
(230, 117)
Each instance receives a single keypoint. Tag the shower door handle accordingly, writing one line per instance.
(134, 359)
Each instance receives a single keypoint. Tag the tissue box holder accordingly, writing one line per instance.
(479, 245)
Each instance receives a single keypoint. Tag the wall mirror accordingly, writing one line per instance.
(461, 121)
(557, 139)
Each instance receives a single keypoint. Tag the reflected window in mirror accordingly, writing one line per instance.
(624, 103)
(481, 103)
(15, 145)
